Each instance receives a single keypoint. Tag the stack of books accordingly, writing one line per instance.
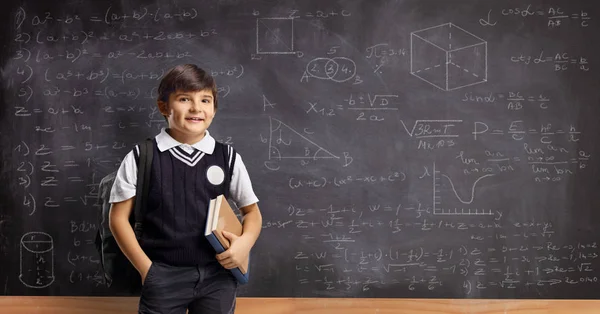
(221, 217)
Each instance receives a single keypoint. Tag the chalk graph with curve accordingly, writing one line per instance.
(447, 200)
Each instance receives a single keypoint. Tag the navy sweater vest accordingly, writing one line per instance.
(179, 194)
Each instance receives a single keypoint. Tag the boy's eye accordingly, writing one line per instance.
(184, 99)
(206, 101)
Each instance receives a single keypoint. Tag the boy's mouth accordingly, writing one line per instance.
(195, 119)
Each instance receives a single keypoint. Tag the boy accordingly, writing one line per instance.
(180, 270)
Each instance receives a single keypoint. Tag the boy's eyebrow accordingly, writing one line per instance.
(189, 95)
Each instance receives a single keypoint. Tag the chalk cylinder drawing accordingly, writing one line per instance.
(37, 260)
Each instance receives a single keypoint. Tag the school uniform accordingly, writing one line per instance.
(183, 178)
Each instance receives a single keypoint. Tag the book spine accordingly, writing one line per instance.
(241, 278)
(212, 239)
(237, 273)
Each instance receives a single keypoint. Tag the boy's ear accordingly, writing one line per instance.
(163, 107)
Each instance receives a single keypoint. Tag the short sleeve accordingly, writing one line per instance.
(240, 188)
(124, 186)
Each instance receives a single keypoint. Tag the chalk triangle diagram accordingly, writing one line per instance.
(287, 143)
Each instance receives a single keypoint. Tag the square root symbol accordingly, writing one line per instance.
(448, 57)
(275, 35)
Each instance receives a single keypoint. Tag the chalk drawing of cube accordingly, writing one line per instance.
(275, 35)
(448, 57)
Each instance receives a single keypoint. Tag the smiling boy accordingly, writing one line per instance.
(180, 270)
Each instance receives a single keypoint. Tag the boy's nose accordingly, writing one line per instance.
(194, 107)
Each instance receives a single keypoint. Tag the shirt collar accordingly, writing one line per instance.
(165, 142)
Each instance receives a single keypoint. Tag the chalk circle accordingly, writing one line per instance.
(215, 175)
(331, 69)
(37, 242)
(315, 66)
(346, 70)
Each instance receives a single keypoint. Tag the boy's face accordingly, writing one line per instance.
(189, 114)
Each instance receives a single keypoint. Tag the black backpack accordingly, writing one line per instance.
(119, 273)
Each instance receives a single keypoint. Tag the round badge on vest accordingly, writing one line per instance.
(215, 175)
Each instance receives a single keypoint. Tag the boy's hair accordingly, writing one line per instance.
(188, 78)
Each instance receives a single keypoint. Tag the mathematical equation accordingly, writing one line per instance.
(367, 106)
(515, 129)
(560, 61)
(384, 55)
(480, 268)
(514, 101)
(555, 16)
(77, 54)
(395, 176)
(108, 17)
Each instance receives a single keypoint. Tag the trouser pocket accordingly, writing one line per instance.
(167, 289)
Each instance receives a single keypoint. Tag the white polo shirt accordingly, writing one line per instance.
(240, 189)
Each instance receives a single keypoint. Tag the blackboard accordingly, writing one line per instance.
(418, 149)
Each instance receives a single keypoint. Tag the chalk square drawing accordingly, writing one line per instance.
(448, 57)
(275, 35)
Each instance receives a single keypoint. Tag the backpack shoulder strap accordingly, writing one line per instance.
(229, 155)
(146, 150)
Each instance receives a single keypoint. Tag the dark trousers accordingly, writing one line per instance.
(201, 290)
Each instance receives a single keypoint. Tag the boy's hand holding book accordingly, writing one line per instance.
(237, 253)
(224, 231)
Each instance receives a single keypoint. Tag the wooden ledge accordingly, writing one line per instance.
(116, 305)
